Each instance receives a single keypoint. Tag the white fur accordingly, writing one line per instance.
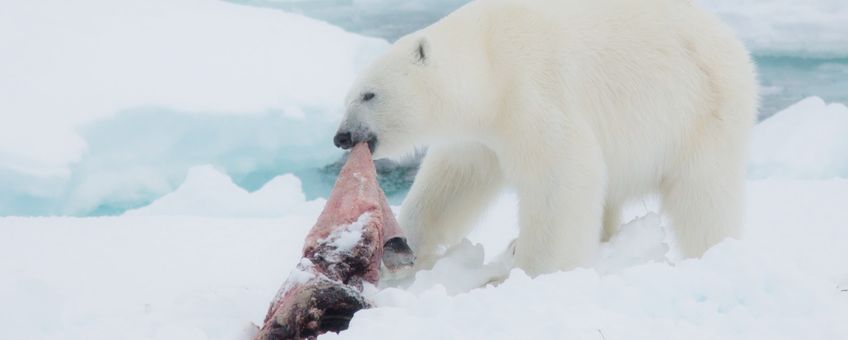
(581, 106)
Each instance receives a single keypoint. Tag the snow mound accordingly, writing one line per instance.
(807, 140)
(463, 267)
(208, 192)
(640, 241)
(459, 270)
(785, 280)
(733, 293)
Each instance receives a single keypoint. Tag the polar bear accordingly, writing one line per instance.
(579, 106)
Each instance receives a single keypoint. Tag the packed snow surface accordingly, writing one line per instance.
(194, 277)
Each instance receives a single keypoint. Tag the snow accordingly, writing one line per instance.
(185, 113)
(142, 277)
(195, 277)
(301, 274)
(461, 269)
(344, 239)
(781, 282)
(108, 104)
(208, 192)
(807, 140)
(643, 240)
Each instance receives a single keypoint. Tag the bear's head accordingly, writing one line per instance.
(422, 91)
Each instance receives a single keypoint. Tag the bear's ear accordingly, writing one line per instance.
(422, 51)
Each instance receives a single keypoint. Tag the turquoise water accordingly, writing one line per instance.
(786, 80)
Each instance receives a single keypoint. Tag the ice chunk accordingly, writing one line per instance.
(208, 192)
(459, 270)
(806, 140)
(638, 242)
(462, 267)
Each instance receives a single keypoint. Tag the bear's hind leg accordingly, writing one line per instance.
(704, 196)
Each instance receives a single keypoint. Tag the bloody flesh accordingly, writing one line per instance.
(353, 235)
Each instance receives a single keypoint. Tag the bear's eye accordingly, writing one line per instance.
(368, 96)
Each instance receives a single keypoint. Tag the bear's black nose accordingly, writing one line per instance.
(343, 140)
